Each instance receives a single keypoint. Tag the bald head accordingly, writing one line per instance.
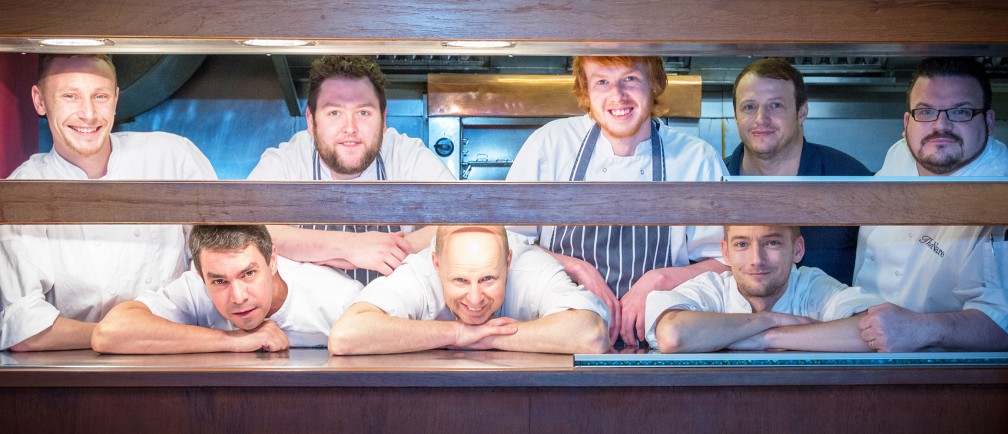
(444, 233)
(472, 264)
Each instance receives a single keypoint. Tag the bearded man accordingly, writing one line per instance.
(347, 140)
(946, 286)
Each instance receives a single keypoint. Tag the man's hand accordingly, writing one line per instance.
(890, 328)
(379, 251)
(755, 342)
(633, 303)
(585, 274)
(759, 342)
(786, 320)
(479, 337)
(267, 337)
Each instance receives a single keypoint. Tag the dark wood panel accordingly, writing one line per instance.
(841, 409)
(694, 21)
(813, 203)
(889, 409)
(285, 410)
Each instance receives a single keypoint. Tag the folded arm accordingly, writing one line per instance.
(842, 335)
(366, 329)
(571, 331)
(683, 331)
(895, 329)
(131, 328)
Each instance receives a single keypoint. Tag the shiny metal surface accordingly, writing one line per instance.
(537, 96)
(297, 358)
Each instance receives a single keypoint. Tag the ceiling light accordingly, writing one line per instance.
(74, 42)
(276, 43)
(479, 44)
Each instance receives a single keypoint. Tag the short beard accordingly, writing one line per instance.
(947, 163)
(332, 159)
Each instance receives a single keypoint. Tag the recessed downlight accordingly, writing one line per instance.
(74, 42)
(479, 44)
(276, 43)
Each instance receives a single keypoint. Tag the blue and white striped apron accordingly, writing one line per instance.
(622, 254)
(361, 275)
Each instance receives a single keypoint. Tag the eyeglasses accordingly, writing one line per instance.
(959, 114)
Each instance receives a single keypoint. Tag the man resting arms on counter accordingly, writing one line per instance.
(470, 290)
(241, 297)
(764, 303)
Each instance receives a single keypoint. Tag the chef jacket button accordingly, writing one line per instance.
(897, 274)
(641, 172)
(147, 280)
(136, 233)
(604, 169)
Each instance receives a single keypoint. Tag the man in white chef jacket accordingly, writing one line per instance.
(57, 281)
(347, 140)
(765, 302)
(476, 288)
(620, 140)
(240, 297)
(947, 286)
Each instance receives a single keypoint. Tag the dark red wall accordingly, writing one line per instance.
(18, 120)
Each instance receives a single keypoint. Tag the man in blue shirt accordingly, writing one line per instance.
(771, 103)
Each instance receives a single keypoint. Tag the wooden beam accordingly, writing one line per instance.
(647, 203)
(732, 22)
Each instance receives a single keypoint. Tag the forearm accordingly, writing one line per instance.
(64, 334)
(568, 262)
(968, 330)
(421, 238)
(568, 332)
(671, 277)
(131, 328)
(372, 331)
(841, 335)
(683, 331)
(309, 245)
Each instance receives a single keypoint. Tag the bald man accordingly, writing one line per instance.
(474, 289)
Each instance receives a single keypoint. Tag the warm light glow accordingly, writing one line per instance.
(480, 44)
(74, 42)
(276, 43)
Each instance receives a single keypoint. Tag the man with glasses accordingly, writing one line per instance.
(946, 285)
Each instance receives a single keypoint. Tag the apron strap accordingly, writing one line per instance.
(587, 149)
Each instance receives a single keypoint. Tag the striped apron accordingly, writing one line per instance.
(622, 254)
(361, 275)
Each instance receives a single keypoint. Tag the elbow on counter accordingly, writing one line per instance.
(103, 337)
(669, 339)
(341, 343)
(595, 340)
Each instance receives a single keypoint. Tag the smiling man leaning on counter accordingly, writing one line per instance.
(477, 287)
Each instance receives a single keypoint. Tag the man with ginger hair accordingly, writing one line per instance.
(620, 139)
